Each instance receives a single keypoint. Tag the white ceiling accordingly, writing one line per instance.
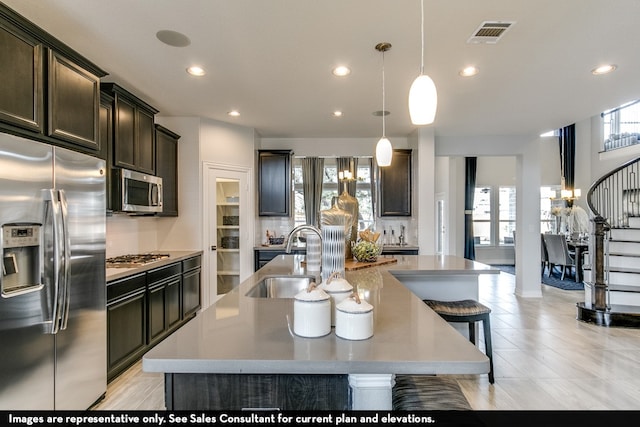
(272, 60)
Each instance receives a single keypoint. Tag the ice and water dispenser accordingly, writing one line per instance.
(21, 259)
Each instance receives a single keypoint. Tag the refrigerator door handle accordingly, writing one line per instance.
(66, 259)
(52, 208)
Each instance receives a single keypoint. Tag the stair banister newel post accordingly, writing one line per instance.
(599, 290)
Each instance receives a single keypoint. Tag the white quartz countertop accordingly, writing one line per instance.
(240, 334)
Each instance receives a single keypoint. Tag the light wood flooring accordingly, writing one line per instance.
(543, 359)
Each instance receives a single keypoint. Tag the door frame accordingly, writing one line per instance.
(442, 224)
(211, 171)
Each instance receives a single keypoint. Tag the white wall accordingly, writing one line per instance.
(423, 191)
(529, 153)
(183, 232)
(201, 140)
(135, 234)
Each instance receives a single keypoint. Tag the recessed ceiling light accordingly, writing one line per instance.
(337, 113)
(469, 71)
(196, 71)
(603, 69)
(173, 38)
(341, 71)
(234, 113)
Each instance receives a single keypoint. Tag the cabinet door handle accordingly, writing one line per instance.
(213, 248)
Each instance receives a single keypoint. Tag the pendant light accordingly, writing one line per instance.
(423, 97)
(384, 151)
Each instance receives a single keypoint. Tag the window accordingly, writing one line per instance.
(621, 126)
(490, 229)
(507, 220)
(331, 189)
(482, 216)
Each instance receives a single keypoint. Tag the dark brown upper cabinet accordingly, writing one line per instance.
(274, 182)
(74, 102)
(133, 130)
(21, 79)
(48, 92)
(167, 168)
(106, 140)
(394, 185)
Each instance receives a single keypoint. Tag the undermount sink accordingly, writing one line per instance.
(280, 286)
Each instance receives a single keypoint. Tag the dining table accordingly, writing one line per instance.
(580, 248)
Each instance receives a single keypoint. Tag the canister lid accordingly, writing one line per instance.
(335, 283)
(312, 293)
(354, 304)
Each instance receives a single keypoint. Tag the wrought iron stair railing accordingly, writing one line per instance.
(612, 199)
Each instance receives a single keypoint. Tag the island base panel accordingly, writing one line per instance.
(256, 391)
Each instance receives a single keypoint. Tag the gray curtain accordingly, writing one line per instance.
(312, 172)
(470, 166)
(350, 164)
(567, 145)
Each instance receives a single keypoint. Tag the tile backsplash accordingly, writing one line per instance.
(131, 235)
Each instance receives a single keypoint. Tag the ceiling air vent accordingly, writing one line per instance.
(489, 32)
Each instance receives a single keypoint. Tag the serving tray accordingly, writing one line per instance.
(352, 264)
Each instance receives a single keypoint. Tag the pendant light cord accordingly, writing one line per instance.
(383, 112)
(422, 38)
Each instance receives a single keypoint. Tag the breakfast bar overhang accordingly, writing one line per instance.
(242, 339)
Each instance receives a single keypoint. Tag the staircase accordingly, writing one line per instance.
(612, 281)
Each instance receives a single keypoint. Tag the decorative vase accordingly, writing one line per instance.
(314, 251)
(333, 246)
(349, 204)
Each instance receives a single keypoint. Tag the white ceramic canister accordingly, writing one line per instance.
(338, 289)
(354, 319)
(312, 313)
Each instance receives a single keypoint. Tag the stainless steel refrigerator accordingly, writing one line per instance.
(52, 301)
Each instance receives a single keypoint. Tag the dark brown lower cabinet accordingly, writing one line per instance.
(262, 256)
(164, 308)
(145, 308)
(173, 309)
(235, 392)
(126, 323)
(191, 287)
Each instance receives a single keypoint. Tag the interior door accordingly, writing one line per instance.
(228, 229)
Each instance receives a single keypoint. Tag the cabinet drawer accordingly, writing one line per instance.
(123, 287)
(191, 263)
(163, 273)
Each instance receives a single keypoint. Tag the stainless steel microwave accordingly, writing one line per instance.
(136, 192)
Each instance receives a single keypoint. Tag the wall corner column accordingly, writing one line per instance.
(528, 259)
(425, 177)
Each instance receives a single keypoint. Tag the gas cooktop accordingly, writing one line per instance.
(135, 260)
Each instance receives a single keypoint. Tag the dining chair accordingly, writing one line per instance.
(544, 255)
(558, 253)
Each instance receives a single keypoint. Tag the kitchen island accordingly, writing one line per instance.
(240, 352)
